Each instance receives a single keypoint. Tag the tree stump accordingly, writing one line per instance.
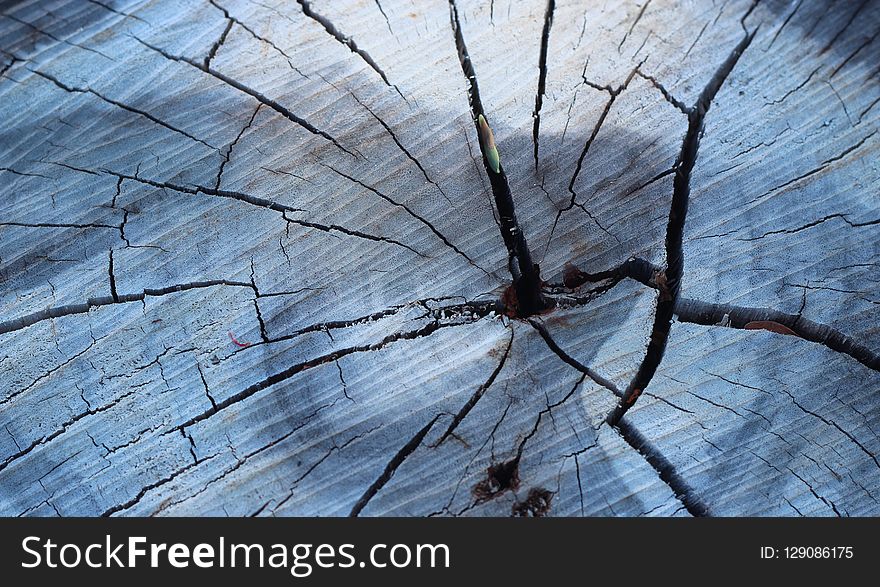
(258, 258)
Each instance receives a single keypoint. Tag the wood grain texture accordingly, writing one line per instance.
(251, 260)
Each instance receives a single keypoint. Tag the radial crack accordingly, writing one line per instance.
(121, 105)
(542, 74)
(665, 469)
(348, 42)
(73, 309)
(469, 405)
(391, 467)
(405, 151)
(293, 370)
(571, 361)
(266, 101)
(227, 155)
(411, 212)
(708, 314)
(526, 276)
(669, 280)
(55, 38)
(633, 25)
(613, 94)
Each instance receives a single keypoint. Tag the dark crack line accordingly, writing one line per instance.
(8, 66)
(816, 170)
(121, 105)
(667, 95)
(646, 183)
(156, 484)
(665, 469)
(832, 424)
(114, 295)
(227, 155)
(216, 46)
(333, 449)
(137, 438)
(512, 465)
(580, 162)
(24, 173)
(263, 336)
(331, 29)
(240, 461)
(55, 38)
(293, 370)
(849, 149)
(405, 151)
(195, 190)
(811, 225)
(784, 24)
(62, 429)
(852, 18)
(277, 207)
(392, 466)
(798, 87)
(613, 94)
(254, 34)
(697, 40)
(207, 390)
(708, 314)
(861, 294)
(492, 487)
(842, 102)
(676, 407)
(465, 310)
(58, 225)
(525, 273)
(542, 75)
(421, 219)
(259, 97)
(868, 109)
(481, 390)
(351, 232)
(564, 299)
(827, 502)
(342, 381)
(48, 374)
(670, 280)
(476, 454)
(571, 361)
(222, 39)
(633, 25)
(260, 202)
(385, 16)
(73, 309)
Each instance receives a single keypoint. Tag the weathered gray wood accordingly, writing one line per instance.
(306, 179)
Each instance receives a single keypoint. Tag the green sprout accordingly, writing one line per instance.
(487, 138)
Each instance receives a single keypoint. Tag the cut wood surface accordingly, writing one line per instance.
(253, 260)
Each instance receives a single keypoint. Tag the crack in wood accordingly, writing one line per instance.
(670, 279)
(666, 470)
(392, 466)
(529, 299)
(472, 401)
(118, 104)
(331, 29)
(266, 101)
(542, 75)
(546, 295)
(708, 314)
(424, 221)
